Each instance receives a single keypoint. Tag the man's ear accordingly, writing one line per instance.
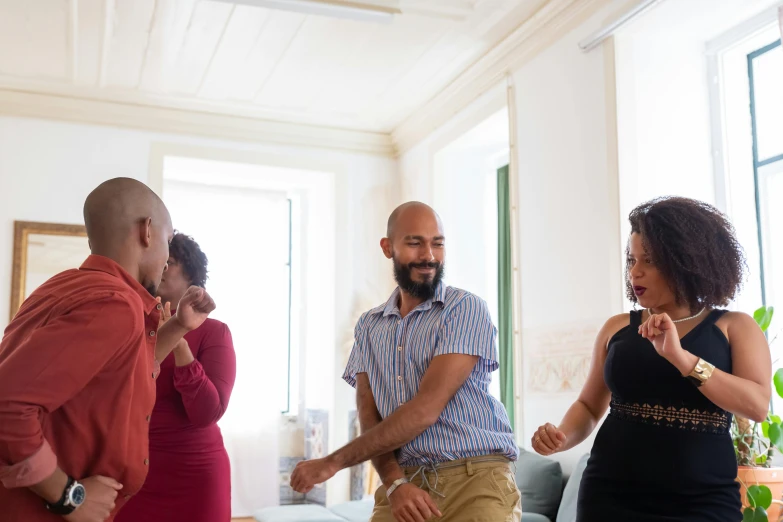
(145, 231)
(386, 246)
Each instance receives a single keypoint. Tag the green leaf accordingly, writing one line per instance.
(778, 380)
(776, 435)
(761, 460)
(759, 497)
(763, 317)
(765, 429)
(754, 515)
(776, 419)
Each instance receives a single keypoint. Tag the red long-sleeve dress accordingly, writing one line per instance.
(189, 477)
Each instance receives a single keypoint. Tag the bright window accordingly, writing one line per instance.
(247, 237)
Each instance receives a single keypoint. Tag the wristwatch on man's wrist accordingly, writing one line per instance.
(73, 496)
(394, 485)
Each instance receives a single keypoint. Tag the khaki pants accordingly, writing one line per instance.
(481, 489)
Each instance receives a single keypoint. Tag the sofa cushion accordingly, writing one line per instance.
(356, 511)
(297, 513)
(534, 517)
(567, 511)
(540, 481)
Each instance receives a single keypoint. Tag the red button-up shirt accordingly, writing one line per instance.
(77, 385)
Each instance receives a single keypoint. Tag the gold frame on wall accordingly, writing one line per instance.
(22, 231)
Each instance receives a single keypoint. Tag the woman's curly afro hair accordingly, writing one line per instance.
(188, 254)
(694, 247)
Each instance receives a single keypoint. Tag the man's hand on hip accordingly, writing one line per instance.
(100, 494)
(412, 504)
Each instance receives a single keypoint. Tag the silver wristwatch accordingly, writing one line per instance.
(397, 483)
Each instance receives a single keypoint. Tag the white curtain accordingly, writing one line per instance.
(245, 235)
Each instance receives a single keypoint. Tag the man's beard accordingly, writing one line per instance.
(152, 288)
(420, 290)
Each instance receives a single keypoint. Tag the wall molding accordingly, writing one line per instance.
(189, 122)
(548, 24)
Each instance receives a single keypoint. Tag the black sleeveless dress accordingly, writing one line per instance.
(664, 453)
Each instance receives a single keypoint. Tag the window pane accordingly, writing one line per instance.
(245, 235)
(768, 91)
(771, 194)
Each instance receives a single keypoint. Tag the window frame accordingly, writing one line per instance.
(757, 163)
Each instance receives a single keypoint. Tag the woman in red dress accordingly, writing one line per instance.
(189, 478)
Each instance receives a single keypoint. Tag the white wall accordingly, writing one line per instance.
(663, 100)
(417, 165)
(663, 110)
(47, 169)
(569, 231)
(571, 275)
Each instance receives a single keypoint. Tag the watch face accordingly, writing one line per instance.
(77, 495)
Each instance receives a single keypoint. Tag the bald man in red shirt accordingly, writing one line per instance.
(78, 365)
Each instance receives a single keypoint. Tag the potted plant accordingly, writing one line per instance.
(761, 484)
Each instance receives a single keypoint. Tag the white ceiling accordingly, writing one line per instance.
(239, 60)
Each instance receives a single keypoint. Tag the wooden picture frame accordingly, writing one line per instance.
(22, 232)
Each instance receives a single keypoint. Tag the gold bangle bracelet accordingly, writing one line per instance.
(701, 373)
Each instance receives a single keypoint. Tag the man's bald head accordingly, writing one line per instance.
(126, 221)
(412, 210)
(115, 206)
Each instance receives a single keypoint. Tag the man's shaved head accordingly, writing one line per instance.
(115, 206)
(416, 245)
(412, 209)
(127, 222)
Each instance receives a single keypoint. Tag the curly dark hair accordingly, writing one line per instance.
(188, 254)
(694, 247)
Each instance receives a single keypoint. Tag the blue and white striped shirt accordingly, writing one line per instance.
(395, 353)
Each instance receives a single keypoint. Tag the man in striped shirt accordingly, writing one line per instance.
(421, 365)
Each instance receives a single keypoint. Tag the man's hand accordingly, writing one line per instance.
(412, 504)
(311, 472)
(194, 308)
(100, 493)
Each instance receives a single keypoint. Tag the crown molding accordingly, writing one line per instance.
(548, 24)
(195, 123)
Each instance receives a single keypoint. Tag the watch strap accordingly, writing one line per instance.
(61, 507)
(394, 485)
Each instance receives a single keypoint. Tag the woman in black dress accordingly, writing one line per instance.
(672, 375)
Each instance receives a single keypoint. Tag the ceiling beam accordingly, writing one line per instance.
(73, 40)
(456, 10)
(108, 31)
